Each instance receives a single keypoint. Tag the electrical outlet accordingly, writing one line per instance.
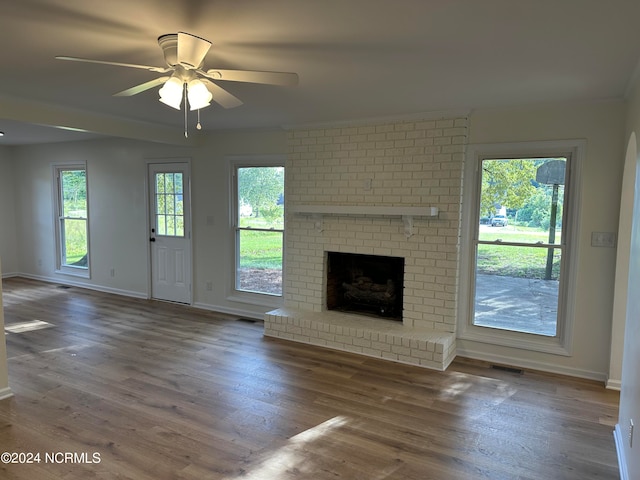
(208, 286)
(112, 272)
(630, 433)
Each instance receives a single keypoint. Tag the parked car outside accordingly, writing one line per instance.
(499, 221)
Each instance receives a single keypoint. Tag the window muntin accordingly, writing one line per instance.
(72, 220)
(259, 229)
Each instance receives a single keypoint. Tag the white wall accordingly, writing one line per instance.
(8, 239)
(630, 394)
(213, 244)
(621, 285)
(116, 170)
(601, 124)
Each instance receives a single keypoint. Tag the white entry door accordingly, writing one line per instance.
(170, 231)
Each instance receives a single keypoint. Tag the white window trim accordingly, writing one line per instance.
(562, 344)
(242, 296)
(59, 268)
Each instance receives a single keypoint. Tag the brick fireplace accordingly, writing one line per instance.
(391, 190)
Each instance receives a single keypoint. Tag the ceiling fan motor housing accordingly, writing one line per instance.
(184, 49)
(169, 45)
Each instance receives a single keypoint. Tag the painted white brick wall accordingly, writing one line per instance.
(413, 163)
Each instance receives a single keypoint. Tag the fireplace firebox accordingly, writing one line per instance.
(366, 284)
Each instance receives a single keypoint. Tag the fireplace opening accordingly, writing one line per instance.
(367, 284)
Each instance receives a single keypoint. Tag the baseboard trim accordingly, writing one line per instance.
(5, 393)
(128, 293)
(613, 384)
(531, 364)
(231, 311)
(622, 461)
(88, 286)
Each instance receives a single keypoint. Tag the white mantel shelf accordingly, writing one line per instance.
(365, 210)
(407, 213)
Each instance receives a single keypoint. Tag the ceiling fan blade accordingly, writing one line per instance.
(221, 96)
(117, 64)
(192, 49)
(270, 78)
(142, 87)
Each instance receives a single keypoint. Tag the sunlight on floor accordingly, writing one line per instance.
(491, 388)
(292, 457)
(27, 326)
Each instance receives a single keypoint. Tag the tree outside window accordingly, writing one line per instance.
(73, 245)
(259, 229)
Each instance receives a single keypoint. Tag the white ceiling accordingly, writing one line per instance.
(355, 59)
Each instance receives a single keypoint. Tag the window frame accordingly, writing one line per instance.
(58, 205)
(236, 294)
(574, 151)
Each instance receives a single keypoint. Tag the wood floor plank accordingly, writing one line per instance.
(163, 391)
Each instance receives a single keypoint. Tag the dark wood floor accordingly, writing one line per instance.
(160, 391)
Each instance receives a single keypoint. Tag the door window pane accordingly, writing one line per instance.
(169, 204)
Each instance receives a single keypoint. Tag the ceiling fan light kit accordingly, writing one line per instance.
(198, 95)
(184, 55)
(171, 93)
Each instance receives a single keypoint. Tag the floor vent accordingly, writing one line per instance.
(64, 287)
(518, 371)
(246, 320)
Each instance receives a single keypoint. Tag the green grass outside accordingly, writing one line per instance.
(75, 235)
(260, 250)
(515, 261)
(263, 250)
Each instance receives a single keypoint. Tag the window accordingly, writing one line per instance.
(259, 228)
(72, 223)
(519, 217)
(169, 202)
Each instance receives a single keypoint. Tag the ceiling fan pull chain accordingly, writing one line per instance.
(198, 126)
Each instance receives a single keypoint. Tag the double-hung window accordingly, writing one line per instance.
(72, 220)
(520, 221)
(259, 228)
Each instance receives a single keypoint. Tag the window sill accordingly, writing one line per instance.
(72, 272)
(261, 299)
(524, 341)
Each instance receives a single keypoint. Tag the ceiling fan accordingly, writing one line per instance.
(184, 77)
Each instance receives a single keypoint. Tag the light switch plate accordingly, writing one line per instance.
(603, 239)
